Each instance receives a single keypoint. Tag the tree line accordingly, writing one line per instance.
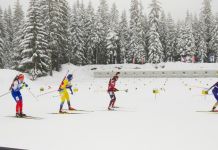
(53, 33)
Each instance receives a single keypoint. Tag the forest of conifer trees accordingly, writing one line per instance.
(52, 33)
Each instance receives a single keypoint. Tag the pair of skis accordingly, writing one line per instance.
(215, 111)
(125, 90)
(65, 112)
(27, 117)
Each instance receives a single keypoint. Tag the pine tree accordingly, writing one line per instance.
(90, 34)
(185, 42)
(113, 46)
(77, 34)
(196, 34)
(170, 39)
(136, 53)
(2, 36)
(35, 58)
(163, 30)
(206, 22)
(213, 44)
(18, 23)
(55, 16)
(124, 37)
(201, 50)
(154, 45)
(154, 15)
(50, 24)
(200, 43)
(9, 36)
(102, 30)
(64, 25)
(144, 27)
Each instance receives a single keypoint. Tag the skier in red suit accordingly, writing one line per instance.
(111, 91)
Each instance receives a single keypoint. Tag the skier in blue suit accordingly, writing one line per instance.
(215, 93)
(17, 84)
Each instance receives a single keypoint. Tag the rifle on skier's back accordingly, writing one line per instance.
(12, 84)
(6, 93)
(63, 80)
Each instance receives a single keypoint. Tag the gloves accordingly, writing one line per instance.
(69, 87)
(60, 90)
(24, 85)
(115, 90)
(71, 91)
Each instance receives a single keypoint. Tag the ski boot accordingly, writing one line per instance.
(110, 109)
(71, 108)
(22, 115)
(18, 115)
(62, 112)
(213, 109)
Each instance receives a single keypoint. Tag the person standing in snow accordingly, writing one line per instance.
(111, 90)
(215, 93)
(17, 84)
(66, 84)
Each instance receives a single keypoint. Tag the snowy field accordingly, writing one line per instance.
(168, 121)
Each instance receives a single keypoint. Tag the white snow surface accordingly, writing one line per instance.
(168, 121)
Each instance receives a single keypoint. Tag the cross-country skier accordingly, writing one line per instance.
(17, 84)
(215, 93)
(66, 84)
(111, 90)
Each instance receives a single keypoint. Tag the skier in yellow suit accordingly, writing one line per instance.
(66, 84)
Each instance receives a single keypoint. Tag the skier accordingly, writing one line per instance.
(17, 84)
(66, 84)
(215, 93)
(111, 90)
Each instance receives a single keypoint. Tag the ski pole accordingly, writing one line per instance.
(100, 90)
(198, 87)
(5, 94)
(54, 90)
(126, 90)
(28, 89)
(55, 96)
(47, 93)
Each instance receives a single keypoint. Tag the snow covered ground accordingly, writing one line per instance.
(168, 121)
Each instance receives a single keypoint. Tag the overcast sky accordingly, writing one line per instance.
(177, 8)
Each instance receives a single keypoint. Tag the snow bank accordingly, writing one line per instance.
(174, 119)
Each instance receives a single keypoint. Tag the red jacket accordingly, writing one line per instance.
(111, 86)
